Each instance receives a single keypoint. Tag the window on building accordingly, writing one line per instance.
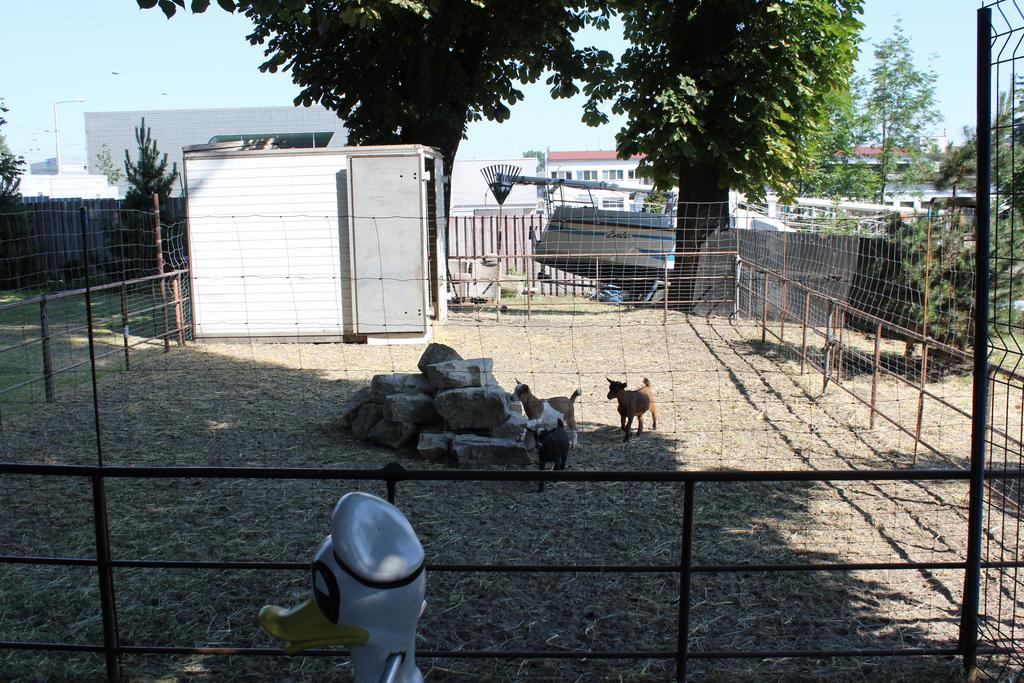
(612, 175)
(631, 174)
(588, 175)
(562, 175)
(613, 203)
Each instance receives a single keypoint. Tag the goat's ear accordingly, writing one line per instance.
(517, 381)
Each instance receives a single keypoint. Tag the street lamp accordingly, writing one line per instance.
(56, 126)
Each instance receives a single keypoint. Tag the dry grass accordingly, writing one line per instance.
(725, 401)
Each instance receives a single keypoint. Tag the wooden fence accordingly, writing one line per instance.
(51, 232)
(509, 237)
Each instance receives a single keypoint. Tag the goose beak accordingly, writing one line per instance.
(304, 626)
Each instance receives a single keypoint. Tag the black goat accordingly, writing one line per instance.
(553, 447)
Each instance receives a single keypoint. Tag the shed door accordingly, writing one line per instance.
(388, 244)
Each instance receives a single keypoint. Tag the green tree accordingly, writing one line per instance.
(419, 71)
(135, 241)
(148, 174)
(900, 105)
(12, 166)
(539, 156)
(105, 165)
(958, 166)
(722, 94)
(836, 172)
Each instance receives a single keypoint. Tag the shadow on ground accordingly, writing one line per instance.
(194, 408)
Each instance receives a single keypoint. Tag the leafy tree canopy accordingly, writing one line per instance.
(419, 71)
(835, 170)
(539, 156)
(900, 104)
(724, 94)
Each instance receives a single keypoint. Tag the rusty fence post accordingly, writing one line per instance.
(782, 297)
(161, 282)
(44, 333)
(876, 369)
(664, 314)
(179, 314)
(920, 397)
(764, 308)
(803, 342)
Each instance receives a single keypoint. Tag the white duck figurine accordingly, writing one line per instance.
(368, 588)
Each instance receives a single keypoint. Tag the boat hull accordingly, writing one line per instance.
(627, 248)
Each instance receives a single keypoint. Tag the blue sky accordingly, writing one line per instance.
(120, 58)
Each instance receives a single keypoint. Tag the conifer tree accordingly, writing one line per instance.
(148, 175)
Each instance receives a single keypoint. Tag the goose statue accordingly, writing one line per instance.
(368, 588)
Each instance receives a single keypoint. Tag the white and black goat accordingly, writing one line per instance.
(544, 413)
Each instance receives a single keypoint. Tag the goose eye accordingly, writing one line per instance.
(326, 591)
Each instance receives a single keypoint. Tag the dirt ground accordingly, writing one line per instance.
(725, 401)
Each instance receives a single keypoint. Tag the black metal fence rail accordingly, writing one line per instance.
(392, 475)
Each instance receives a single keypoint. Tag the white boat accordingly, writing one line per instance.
(588, 239)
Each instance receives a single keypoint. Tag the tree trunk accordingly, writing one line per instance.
(703, 207)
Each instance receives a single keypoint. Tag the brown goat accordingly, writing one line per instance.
(633, 404)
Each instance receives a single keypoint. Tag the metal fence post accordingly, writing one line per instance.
(969, 623)
(875, 371)
(764, 308)
(161, 283)
(803, 341)
(685, 574)
(736, 289)
(44, 333)
(83, 217)
(99, 501)
(125, 330)
(179, 314)
(108, 606)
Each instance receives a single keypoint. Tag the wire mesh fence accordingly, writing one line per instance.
(832, 553)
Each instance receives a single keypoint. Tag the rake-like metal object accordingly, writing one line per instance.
(500, 178)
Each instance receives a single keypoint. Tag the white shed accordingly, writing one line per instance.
(315, 244)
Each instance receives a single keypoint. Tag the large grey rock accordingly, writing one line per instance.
(472, 451)
(454, 374)
(413, 408)
(472, 407)
(515, 428)
(367, 418)
(397, 383)
(393, 434)
(512, 428)
(437, 353)
(434, 444)
(352, 406)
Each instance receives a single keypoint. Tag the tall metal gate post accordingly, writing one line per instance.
(685, 567)
(969, 624)
(99, 497)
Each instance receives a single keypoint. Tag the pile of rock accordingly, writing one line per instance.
(452, 408)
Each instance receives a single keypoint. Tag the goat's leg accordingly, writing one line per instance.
(639, 424)
(622, 422)
(628, 426)
(654, 417)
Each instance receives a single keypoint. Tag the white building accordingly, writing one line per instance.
(470, 195)
(68, 186)
(598, 165)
